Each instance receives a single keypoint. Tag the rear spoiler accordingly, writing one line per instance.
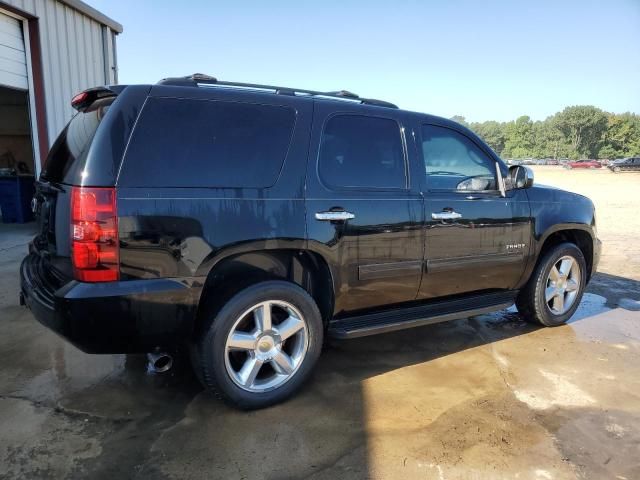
(83, 100)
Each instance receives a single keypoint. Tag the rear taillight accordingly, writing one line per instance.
(94, 234)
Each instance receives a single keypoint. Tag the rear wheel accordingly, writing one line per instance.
(261, 346)
(555, 288)
(616, 169)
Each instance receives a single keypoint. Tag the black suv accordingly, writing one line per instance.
(631, 164)
(250, 222)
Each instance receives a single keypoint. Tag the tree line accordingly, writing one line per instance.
(581, 131)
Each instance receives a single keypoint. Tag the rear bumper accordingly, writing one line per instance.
(132, 316)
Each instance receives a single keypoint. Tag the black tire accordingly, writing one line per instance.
(209, 357)
(531, 301)
(616, 169)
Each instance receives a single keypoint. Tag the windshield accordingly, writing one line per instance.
(68, 154)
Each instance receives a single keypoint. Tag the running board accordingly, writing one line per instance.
(433, 312)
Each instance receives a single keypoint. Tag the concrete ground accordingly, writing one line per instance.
(486, 397)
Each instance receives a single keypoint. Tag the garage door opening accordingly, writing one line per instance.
(17, 160)
(16, 147)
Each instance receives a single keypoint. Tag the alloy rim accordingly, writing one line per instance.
(563, 285)
(266, 346)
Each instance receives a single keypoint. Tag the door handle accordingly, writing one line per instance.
(334, 216)
(446, 215)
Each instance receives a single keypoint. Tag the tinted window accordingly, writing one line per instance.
(68, 154)
(453, 162)
(362, 152)
(202, 143)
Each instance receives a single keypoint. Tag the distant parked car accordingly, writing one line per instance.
(625, 165)
(551, 161)
(583, 164)
(527, 161)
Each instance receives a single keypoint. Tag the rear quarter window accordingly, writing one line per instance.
(207, 143)
(68, 155)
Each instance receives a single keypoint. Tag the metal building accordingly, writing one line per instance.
(49, 51)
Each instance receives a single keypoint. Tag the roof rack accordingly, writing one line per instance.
(198, 79)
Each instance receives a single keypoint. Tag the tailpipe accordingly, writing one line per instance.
(159, 362)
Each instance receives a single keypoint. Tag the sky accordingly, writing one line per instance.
(483, 59)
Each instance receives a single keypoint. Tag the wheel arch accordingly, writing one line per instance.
(236, 271)
(580, 235)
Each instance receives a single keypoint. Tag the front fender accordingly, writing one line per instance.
(554, 210)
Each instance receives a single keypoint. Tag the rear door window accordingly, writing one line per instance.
(362, 152)
(207, 143)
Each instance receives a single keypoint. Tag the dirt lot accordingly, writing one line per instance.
(617, 199)
(482, 398)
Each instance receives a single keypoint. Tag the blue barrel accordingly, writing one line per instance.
(16, 193)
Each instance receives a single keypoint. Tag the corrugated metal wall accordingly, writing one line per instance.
(73, 47)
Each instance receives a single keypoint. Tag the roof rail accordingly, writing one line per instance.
(198, 79)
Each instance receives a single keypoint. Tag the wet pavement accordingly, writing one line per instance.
(486, 397)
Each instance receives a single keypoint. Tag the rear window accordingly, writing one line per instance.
(205, 143)
(68, 155)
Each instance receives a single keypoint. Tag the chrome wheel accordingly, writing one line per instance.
(563, 285)
(266, 346)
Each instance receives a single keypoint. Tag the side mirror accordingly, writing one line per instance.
(520, 176)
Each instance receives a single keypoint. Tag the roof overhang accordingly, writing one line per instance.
(94, 14)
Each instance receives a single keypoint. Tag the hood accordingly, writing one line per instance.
(548, 193)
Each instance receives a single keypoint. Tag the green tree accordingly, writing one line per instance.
(519, 138)
(540, 147)
(584, 127)
(549, 142)
(608, 151)
(622, 136)
(460, 119)
(491, 132)
(579, 131)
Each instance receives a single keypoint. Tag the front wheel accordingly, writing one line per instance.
(616, 170)
(555, 288)
(261, 346)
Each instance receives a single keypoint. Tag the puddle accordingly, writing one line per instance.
(590, 305)
(629, 304)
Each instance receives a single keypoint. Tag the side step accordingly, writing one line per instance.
(433, 312)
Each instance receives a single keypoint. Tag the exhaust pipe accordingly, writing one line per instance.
(159, 362)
